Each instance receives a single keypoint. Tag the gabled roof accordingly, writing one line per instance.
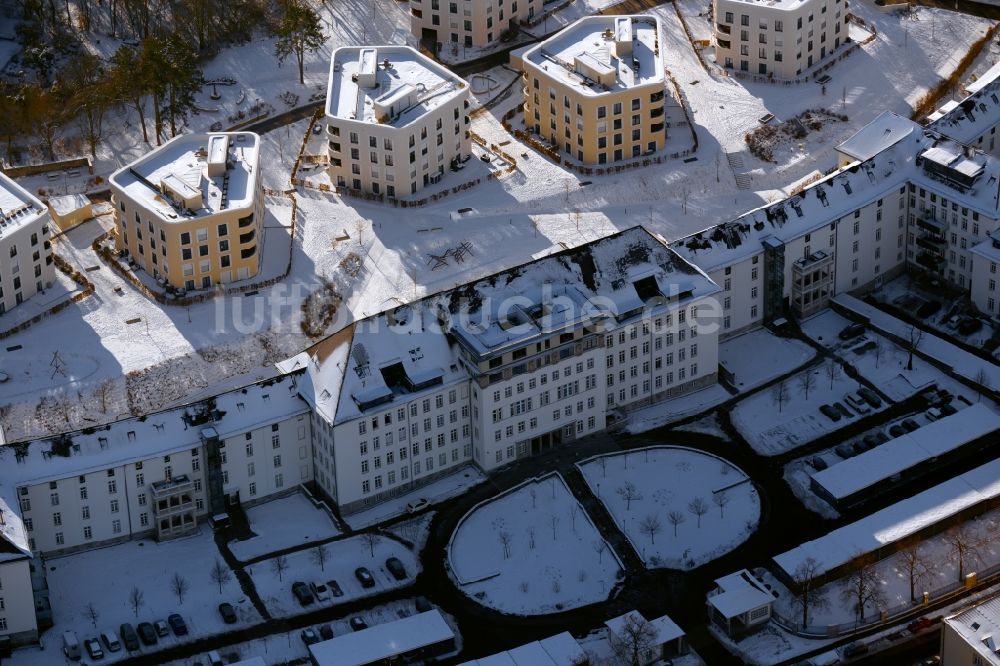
(885, 131)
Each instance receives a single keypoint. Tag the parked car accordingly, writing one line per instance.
(933, 414)
(71, 646)
(417, 505)
(111, 642)
(422, 605)
(857, 648)
(870, 396)
(844, 451)
(856, 403)
(396, 568)
(129, 637)
(948, 410)
(176, 623)
(93, 647)
(227, 612)
(365, 577)
(920, 624)
(818, 464)
(969, 326)
(147, 634)
(334, 587)
(859, 447)
(928, 309)
(302, 593)
(309, 636)
(325, 632)
(320, 591)
(358, 623)
(910, 425)
(870, 440)
(843, 410)
(882, 437)
(897, 430)
(162, 629)
(851, 331)
(830, 412)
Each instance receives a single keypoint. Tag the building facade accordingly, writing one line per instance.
(595, 91)
(969, 636)
(453, 24)
(191, 212)
(26, 264)
(396, 120)
(781, 39)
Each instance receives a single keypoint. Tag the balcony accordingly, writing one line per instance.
(931, 262)
(724, 43)
(724, 29)
(813, 262)
(931, 224)
(173, 496)
(932, 243)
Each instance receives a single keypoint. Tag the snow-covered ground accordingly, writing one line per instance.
(283, 523)
(664, 413)
(343, 557)
(512, 552)
(668, 484)
(708, 425)
(599, 650)
(772, 428)
(444, 488)
(106, 577)
(756, 357)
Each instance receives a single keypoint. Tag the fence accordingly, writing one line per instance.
(61, 165)
(77, 277)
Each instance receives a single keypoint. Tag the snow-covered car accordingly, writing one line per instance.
(309, 636)
(335, 588)
(177, 623)
(364, 577)
(227, 612)
(320, 591)
(302, 593)
(93, 647)
(161, 628)
(396, 568)
(417, 505)
(147, 634)
(358, 623)
(111, 642)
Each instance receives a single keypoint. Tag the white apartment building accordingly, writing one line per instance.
(26, 266)
(970, 636)
(191, 212)
(973, 120)
(983, 289)
(508, 366)
(396, 120)
(779, 39)
(452, 24)
(596, 89)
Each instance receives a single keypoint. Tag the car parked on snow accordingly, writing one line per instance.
(129, 637)
(417, 505)
(364, 577)
(162, 629)
(851, 331)
(147, 634)
(928, 309)
(302, 593)
(818, 464)
(358, 623)
(111, 642)
(870, 396)
(227, 612)
(830, 412)
(176, 623)
(396, 568)
(910, 425)
(309, 636)
(320, 591)
(325, 632)
(334, 588)
(920, 624)
(93, 648)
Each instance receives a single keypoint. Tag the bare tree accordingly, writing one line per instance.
(982, 380)
(650, 526)
(599, 547)
(92, 614)
(534, 497)
(780, 394)
(721, 499)
(675, 518)
(633, 642)
(699, 507)
(878, 350)
(136, 600)
(863, 588)
(809, 596)
(964, 543)
(832, 370)
(914, 337)
(603, 461)
(279, 565)
(807, 380)
(371, 540)
(103, 393)
(553, 523)
(220, 574)
(505, 540)
(531, 538)
(179, 586)
(574, 509)
(629, 493)
(916, 567)
(319, 556)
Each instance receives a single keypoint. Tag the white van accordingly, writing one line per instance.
(71, 646)
(110, 641)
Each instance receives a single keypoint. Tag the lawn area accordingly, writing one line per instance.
(759, 356)
(283, 523)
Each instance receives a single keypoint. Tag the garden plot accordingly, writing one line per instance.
(283, 523)
(756, 357)
(512, 552)
(787, 415)
(713, 503)
(341, 559)
(105, 577)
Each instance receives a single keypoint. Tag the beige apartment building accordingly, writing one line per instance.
(396, 120)
(778, 39)
(25, 251)
(970, 636)
(191, 212)
(595, 90)
(468, 23)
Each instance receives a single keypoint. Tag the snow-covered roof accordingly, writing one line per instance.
(739, 593)
(193, 175)
(885, 131)
(68, 203)
(559, 650)
(989, 248)
(388, 85)
(972, 117)
(900, 454)
(161, 433)
(897, 521)
(599, 54)
(781, 5)
(13, 535)
(382, 641)
(666, 629)
(18, 207)
(968, 178)
(980, 627)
